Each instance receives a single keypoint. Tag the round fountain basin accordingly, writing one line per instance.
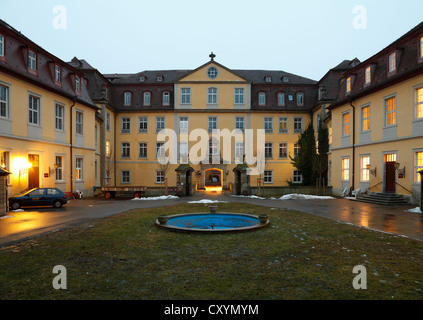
(212, 222)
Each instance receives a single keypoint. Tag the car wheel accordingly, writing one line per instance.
(16, 205)
(57, 204)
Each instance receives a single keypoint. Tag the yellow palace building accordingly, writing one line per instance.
(70, 126)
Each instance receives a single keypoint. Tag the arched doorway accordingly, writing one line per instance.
(213, 179)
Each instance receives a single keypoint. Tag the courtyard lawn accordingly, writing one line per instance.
(299, 256)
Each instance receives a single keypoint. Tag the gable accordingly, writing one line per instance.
(212, 72)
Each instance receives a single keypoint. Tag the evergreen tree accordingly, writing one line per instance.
(305, 162)
(323, 149)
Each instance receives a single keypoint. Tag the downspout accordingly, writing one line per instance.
(353, 146)
(114, 152)
(71, 143)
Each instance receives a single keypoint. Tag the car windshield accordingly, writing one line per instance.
(28, 192)
(37, 192)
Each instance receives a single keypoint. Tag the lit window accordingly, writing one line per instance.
(390, 113)
(368, 76)
(365, 118)
(57, 73)
(283, 150)
(392, 62)
(79, 168)
(348, 84)
(32, 60)
(419, 103)
(107, 148)
(345, 175)
(283, 125)
(418, 165)
(345, 124)
(364, 170)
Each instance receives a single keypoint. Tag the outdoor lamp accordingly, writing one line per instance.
(52, 171)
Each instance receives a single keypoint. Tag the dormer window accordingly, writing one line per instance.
(285, 79)
(32, 61)
(268, 79)
(392, 62)
(143, 78)
(262, 98)
(300, 99)
(77, 84)
(421, 47)
(367, 75)
(127, 98)
(348, 85)
(57, 73)
(1, 45)
(147, 98)
(159, 78)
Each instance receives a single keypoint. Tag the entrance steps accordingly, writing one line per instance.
(388, 199)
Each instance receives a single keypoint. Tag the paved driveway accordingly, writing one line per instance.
(17, 226)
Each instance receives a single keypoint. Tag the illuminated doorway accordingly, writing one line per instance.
(34, 171)
(213, 179)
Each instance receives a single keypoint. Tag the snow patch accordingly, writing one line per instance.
(415, 210)
(295, 196)
(6, 217)
(207, 201)
(252, 197)
(157, 198)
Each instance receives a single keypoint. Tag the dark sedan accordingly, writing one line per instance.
(39, 197)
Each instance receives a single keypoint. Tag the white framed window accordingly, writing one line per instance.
(160, 150)
(108, 148)
(160, 176)
(166, 98)
(268, 176)
(297, 150)
(239, 96)
(262, 98)
(79, 169)
(268, 125)
(32, 60)
(390, 112)
(421, 47)
(183, 125)
(239, 123)
(4, 102)
(300, 99)
(34, 109)
(392, 62)
(283, 150)
(108, 121)
(212, 96)
(365, 118)
(212, 72)
(239, 151)
(59, 115)
(345, 124)
(57, 73)
(78, 84)
(125, 176)
(147, 98)
(160, 123)
(185, 95)
(214, 148)
(1, 45)
(268, 150)
(367, 75)
(418, 166)
(281, 99)
(283, 124)
(59, 168)
(127, 98)
(418, 98)
(143, 150)
(298, 125)
(345, 169)
(212, 124)
(142, 124)
(126, 125)
(125, 150)
(79, 122)
(297, 177)
(183, 151)
(364, 171)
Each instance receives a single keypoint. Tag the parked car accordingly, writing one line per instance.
(39, 197)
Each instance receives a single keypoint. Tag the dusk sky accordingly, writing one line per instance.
(302, 37)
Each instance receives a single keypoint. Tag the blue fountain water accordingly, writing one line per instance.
(213, 221)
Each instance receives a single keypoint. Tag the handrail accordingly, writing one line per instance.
(404, 188)
(370, 188)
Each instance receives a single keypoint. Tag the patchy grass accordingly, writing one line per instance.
(299, 256)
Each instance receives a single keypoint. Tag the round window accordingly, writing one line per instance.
(212, 73)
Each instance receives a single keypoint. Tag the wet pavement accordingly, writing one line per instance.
(23, 225)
